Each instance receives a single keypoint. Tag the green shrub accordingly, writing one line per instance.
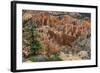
(54, 58)
(38, 58)
(35, 43)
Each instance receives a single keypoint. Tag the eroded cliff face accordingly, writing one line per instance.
(60, 33)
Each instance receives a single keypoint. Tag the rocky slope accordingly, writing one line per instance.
(64, 34)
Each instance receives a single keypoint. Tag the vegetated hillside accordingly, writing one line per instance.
(55, 36)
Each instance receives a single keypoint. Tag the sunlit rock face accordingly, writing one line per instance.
(57, 30)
